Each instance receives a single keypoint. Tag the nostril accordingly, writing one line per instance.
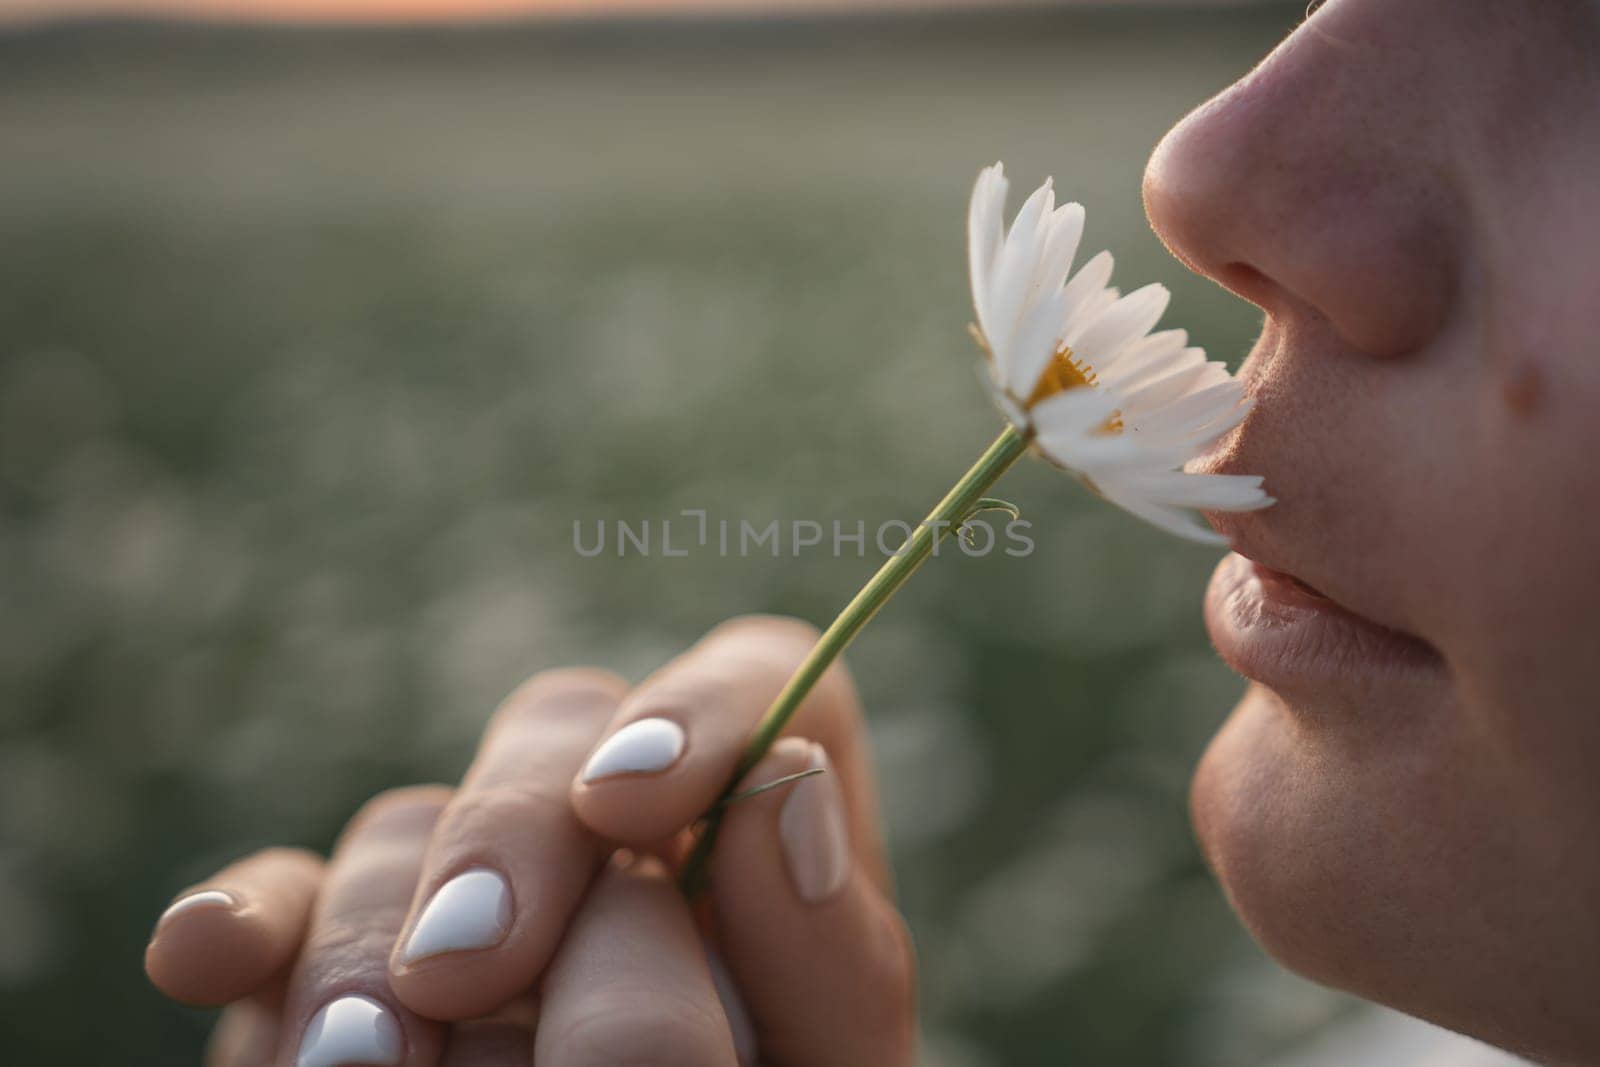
(1243, 274)
(1371, 315)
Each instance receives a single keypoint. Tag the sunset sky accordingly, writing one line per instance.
(408, 10)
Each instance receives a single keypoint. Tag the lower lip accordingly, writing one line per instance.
(1277, 631)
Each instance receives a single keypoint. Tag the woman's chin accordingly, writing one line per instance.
(1313, 845)
(1360, 864)
(1245, 802)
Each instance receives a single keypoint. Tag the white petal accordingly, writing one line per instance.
(1089, 453)
(1070, 430)
(1185, 524)
(1211, 374)
(1094, 305)
(1149, 355)
(1195, 439)
(1073, 411)
(1014, 269)
(984, 234)
(1155, 392)
(1194, 411)
(1145, 455)
(1218, 492)
(1090, 279)
(1065, 231)
(1033, 346)
(1123, 323)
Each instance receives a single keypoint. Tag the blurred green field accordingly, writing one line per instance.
(313, 346)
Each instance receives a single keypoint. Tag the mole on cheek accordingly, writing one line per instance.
(1522, 387)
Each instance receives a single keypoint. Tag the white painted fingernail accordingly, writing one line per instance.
(733, 1008)
(352, 1030)
(815, 837)
(206, 898)
(639, 747)
(471, 910)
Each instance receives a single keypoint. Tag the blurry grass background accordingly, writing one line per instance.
(313, 346)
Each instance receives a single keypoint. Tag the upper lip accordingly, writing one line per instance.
(1253, 536)
(1287, 539)
(1266, 539)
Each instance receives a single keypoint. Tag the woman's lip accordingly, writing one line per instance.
(1289, 589)
(1275, 629)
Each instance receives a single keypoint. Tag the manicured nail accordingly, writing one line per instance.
(639, 747)
(815, 837)
(206, 898)
(352, 1030)
(471, 910)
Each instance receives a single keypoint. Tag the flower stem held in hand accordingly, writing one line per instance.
(1077, 373)
(963, 500)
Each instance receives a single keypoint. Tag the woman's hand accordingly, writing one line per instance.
(506, 903)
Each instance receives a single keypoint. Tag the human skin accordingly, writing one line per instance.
(1409, 192)
(1403, 805)
(600, 961)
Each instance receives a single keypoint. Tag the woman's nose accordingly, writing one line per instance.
(1316, 185)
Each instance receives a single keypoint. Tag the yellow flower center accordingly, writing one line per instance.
(1067, 372)
(1063, 372)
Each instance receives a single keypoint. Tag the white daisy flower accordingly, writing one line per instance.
(1082, 380)
(1073, 365)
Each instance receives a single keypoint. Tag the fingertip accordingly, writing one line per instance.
(647, 745)
(210, 947)
(642, 811)
(225, 938)
(677, 737)
(627, 791)
(197, 900)
(801, 922)
(631, 983)
(449, 963)
(507, 862)
(797, 822)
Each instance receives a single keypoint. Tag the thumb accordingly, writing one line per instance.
(819, 954)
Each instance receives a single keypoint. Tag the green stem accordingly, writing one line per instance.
(945, 518)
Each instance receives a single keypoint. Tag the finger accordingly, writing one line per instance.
(675, 740)
(820, 957)
(339, 1008)
(630, 984)
(508, 862)
(246, 1035)
(228, 936)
